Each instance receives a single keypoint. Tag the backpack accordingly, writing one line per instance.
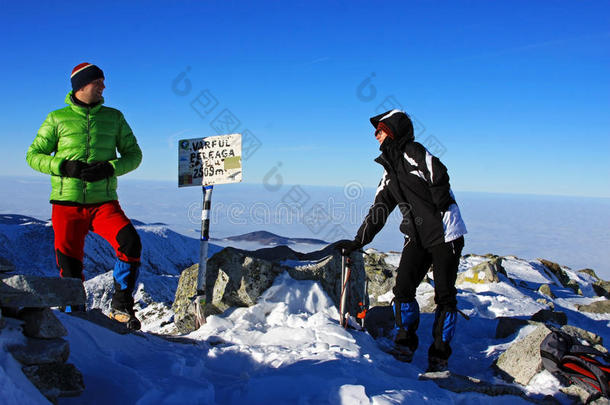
(573, 363)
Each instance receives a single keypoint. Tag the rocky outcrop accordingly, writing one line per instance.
(597, 307)
(236, 278)
(39, 292)
(460, 384)
(602, 288)
(508, 326)
(380, 275)
(561, 275)
(547, 315)
(522, 361)
(483, 273)
(42, 353)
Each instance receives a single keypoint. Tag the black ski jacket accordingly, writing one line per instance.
(415, 181)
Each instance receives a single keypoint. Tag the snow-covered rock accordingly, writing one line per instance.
(236, 278)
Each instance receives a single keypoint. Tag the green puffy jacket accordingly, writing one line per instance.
(89, 135)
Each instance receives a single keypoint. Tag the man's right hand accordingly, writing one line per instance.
(346, 246)
(72, 168)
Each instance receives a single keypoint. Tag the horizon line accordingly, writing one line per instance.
(41, 176)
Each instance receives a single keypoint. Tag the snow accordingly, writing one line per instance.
(289, 348)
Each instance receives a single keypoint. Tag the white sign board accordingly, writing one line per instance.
(210, 160)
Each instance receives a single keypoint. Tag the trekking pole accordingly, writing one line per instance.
(345, 274)
(203, 256)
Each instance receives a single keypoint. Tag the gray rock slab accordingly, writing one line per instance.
(522, 361)
(547, 315)
(583, 334)
(508, 326)
(461, 383)
(597, 307)
(56, 380)
(34, 291)
(41, 351)
(41, 323)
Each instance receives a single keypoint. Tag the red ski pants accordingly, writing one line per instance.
(71, 225)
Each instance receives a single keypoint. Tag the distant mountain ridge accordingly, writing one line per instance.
(268, 238)
(27, 244)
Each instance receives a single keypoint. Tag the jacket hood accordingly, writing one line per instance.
(399, 123)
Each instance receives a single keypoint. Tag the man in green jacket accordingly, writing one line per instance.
(77, 145)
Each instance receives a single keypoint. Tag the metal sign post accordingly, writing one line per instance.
(206, 162)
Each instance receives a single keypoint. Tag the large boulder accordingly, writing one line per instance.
(483, 273)
(35, 291)
(379, 273)
(522, 361)
(236, 278)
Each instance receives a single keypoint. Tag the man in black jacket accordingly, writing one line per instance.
(417, 182)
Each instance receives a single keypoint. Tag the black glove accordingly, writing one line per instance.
(97, 171)
(346, 246)
(72, 168)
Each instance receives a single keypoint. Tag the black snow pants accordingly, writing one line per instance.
(414, 264)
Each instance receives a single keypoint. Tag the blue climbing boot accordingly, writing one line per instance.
(407, 320)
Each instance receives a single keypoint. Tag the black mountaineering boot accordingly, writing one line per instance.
(121, 308)
(442, 331)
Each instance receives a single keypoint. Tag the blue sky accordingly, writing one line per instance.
(514, 96)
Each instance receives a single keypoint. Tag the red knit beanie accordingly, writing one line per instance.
(83, 74)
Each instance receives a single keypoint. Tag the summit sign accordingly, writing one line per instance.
(208, 161)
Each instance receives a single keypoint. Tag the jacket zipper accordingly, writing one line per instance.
(107, 186)
(61, 185)
(86, 155)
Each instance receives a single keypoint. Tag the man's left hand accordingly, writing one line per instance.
(97, 171)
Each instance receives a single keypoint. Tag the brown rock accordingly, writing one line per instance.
(597, 307)
(545, 289)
